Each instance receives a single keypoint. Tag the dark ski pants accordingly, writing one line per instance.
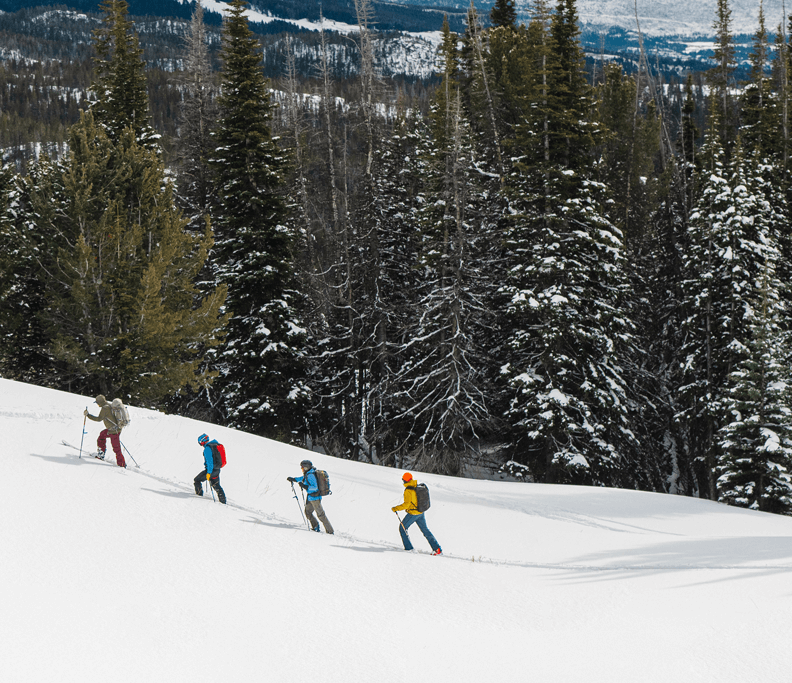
(214, 482)
(312, 506)
(420, 520)
(115, 442)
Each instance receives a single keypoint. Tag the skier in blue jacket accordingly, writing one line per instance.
(314, 501)
(211, 471)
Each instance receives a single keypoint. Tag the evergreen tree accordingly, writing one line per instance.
(124, 317)
(659, 317)
(721, 77)
(569, 337)
(567, 287)
(197, 117)
(729, 233)
(503, 14)
(396, 181)
(487, 60)
(687, 147)
(21, 347)
(571, 128)
(119, 77)
(760, 116)
(631, 144)
(755, 444)
(703, 297)
(262, 375)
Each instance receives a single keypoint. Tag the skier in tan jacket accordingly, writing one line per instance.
(111, 429)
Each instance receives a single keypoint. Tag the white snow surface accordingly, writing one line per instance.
(125, 575)
(254, 15)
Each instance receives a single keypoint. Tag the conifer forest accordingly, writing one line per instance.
(532, 262)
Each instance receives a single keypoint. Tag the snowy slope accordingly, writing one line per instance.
(114, 575)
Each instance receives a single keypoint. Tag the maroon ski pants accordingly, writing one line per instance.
(115, 441)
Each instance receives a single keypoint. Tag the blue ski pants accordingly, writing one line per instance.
(420, 520)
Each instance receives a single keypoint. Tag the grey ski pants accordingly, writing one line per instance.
(312, 506)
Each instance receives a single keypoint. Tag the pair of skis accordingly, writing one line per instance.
(92, 455)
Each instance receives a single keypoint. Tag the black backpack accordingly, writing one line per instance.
(422, 494)
(323, 482)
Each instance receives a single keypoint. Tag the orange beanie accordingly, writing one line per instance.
(407, 477)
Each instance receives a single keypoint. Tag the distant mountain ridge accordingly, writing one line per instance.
(672, 17)
(677, 33)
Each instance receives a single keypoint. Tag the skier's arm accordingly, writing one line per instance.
(208, 459)
(410, 501)
(313, 485)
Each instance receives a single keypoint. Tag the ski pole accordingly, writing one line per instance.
(400, 521)
(298, 503)
(129, 454)
(85, 417)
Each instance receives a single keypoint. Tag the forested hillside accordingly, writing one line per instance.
(534, 260)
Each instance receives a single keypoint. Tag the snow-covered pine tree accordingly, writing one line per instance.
(262, 377)
(567, 289)
(22, 344)
(754, 467)
(730, 231)
(704, 332)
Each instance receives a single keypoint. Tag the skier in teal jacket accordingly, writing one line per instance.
(314, 502)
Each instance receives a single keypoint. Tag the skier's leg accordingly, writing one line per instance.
(198, 481)
(101, 441)
(421, 521)
(320, 513)
(309, 513)
(215, 482)
(408, 519)
(115, 440)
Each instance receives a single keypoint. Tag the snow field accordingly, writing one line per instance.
(120, 575)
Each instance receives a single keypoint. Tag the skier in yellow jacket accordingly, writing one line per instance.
(410, 504)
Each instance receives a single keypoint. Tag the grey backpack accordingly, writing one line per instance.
(120, 413)
(422, 494)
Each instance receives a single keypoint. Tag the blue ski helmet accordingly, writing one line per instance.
(203, 439)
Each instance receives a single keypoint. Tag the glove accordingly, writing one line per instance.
(394, 509)
(303, 485)
(208, 476)
(85, 412)
(291, 479)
